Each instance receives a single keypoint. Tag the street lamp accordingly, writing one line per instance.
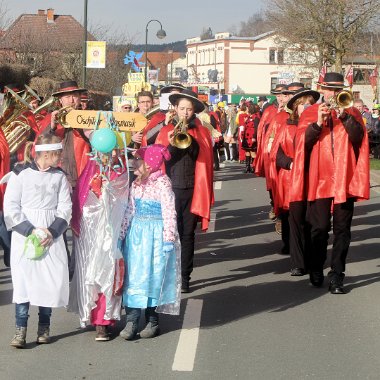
(160, 34)
(84, 58)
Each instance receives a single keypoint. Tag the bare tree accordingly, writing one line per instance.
(254, 26)
(4, 19)
(330, 26)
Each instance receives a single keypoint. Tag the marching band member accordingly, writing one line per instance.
(336, 147)
(294, 232)
(76, 144)
(191, 172)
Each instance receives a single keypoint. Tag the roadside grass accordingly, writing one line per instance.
(374, 164)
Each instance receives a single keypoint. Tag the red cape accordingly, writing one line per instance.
(284, 138)
(269, 113)
(270, 171)
(4, 164)
(81, 147)
(203, 196)
(157, 118)
(339, 175)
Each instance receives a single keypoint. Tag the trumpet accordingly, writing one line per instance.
(343, 99)
(181, 139)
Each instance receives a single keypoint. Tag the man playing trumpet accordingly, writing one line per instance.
(191, 172)
(336, 147)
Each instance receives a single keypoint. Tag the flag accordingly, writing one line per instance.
(373, 77)
(322, 73)
(350, 76)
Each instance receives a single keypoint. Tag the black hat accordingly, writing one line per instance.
(67, 87)
(292, 88)
(262, 99)
(333, 80)
(299, 94)
(188, 94)
(277, 90)
(171, 87)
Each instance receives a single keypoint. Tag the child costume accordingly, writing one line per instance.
(34, 199)
(151, 249)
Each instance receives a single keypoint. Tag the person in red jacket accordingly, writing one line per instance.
(338, 175)
(76, 144)
(292, 214)
(191, 174)
(249, 136)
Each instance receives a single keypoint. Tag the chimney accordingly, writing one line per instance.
(41, 12)
(50, 15)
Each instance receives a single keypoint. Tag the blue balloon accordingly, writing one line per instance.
(103, 140)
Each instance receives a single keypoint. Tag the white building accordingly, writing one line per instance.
(245, 64)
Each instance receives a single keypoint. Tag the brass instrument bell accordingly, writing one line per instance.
(181, 139)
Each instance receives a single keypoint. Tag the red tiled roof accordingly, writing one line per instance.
(35, 31)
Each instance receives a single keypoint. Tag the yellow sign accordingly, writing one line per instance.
(136, 77)
(96, 54)
(126, 121)
(131, 89)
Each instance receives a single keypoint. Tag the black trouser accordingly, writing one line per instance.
(216, 156)
(299, 239)
(187, 222)
(227, 151)
(319, 216)
(285, 232)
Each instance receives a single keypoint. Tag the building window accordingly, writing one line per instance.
(273, 82)
(280, 56)
(272, 56)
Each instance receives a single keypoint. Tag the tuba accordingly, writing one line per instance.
(15, 125)
(181, 139)
(343, 99)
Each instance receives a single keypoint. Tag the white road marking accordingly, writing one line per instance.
(222, 165)
(211, 225)
(217, 185)
(184, 357)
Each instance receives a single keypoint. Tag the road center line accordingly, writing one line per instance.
(217, 185)
(188, 340)
(211, 225)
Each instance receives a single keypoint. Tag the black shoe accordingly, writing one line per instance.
(316, 278)
(297, 272)
(336, 283)
(185, 288)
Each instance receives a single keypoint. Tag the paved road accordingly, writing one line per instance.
(246, 318)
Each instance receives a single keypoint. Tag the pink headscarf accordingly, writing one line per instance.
(154, 155)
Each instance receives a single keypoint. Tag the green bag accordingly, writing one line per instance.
(33, 250)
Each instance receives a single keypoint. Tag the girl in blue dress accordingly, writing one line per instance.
(151, 249)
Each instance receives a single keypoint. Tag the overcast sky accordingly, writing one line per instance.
(180, 19)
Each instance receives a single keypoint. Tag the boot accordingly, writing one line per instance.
(101, 333)
(151, 329)
(19, 338)
(247, 164)
(130, 331)
(43, 336)
(250, 170)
